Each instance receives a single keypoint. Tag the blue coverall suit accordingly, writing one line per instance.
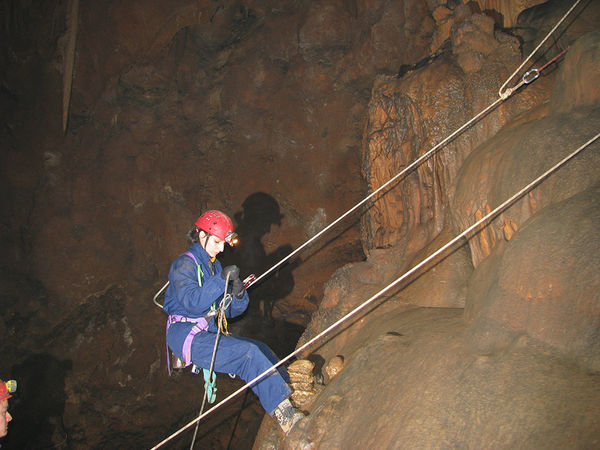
(244, 357)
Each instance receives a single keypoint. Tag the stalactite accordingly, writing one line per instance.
(69, 61)
(508, 9)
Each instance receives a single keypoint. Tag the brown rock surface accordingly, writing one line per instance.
(333, 367)
(175, 107)
(185, 105)
(518, 367)
(508, 10)
(546, 284)
(411, 382)
(302, 382)
(524, 151)
(409, 116)
(578, 83)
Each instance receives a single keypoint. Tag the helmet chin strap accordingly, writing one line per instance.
(205, 240)
(208, 235)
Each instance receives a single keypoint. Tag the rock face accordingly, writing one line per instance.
(531, 292)
(516, 364)
(406, 120)
(507, 10)
(412, 383)
(528, 289)
(284, 114)
(255, 108)
(302, 382)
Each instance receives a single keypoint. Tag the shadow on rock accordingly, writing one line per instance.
(260, 212)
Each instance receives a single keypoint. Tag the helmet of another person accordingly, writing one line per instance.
(7, 388)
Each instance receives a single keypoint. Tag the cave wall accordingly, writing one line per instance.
(159, 94)
(545, 282)
(180, 106)
(496, 343)
(405, 121)
(174, 107)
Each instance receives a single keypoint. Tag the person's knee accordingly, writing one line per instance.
(258, 357)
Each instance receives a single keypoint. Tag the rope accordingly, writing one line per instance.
(162, 289)
(492, 214)
(411, 166)
(502, 97)
(508, 93)
(221, 316)
(527, 78)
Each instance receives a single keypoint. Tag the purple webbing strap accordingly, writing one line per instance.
(168, 355)
(200, 324)
(191, 255)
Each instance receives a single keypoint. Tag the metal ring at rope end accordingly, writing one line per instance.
(533, 73)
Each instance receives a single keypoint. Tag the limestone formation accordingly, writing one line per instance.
(184, 105)
(507, 10)
(409, 116)
(69, 59)
(302, 382)
(534, 294)
(526, 150)
(518, 366)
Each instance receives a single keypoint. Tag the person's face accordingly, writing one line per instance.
(213, 246)
(5, 417)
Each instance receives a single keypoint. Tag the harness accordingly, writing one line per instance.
(200, 324)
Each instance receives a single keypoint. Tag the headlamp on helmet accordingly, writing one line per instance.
(217, 224)
(231, 238)
(7, 388)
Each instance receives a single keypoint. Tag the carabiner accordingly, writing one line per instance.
(536, 74)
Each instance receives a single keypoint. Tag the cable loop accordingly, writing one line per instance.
(504, 95)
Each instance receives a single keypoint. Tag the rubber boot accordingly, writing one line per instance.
(287, 415)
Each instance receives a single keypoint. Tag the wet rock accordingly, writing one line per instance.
(327, 28)
(333, 367)
(512, 357)
(423, 387)
(444, 19)
(472, 41)
(528, 147)
(409, 116)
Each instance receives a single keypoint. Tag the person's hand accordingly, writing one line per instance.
(232, 271)
(237, 288)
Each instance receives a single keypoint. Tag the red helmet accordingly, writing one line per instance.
(6, 388)
(218, 224)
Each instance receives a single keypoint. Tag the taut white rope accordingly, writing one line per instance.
(508, 93)
(408, 168)
(502, 97)
(398, 280)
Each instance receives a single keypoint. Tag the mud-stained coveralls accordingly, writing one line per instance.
(244, 357)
